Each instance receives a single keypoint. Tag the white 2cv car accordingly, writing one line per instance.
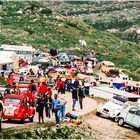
(111, 108)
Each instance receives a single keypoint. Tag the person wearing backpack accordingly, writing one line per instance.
(32, 87)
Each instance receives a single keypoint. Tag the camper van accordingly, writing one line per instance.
(106, 66)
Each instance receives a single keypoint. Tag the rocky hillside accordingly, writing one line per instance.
(41, 26)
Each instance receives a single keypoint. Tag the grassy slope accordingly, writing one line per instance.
(44, 30)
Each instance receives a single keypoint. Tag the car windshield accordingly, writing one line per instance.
(12, 100)
(118, 100)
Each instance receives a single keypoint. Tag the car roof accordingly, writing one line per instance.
(121, 98)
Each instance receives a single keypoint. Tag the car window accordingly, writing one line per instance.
(12, 100)
(138, 113)
(133, 110)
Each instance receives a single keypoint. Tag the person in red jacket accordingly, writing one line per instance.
(60, 86)
(43, 88)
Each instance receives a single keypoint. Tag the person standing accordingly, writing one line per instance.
(64, 102)
(60, 86)
(49, 92)
(76, 83)
(74, 98)
(40, 107)
(1, 111)
(48, 106)
(56, 107)
(43, 89)
(32, 87)
(81, 96)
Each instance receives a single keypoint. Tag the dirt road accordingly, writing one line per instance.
(107, 129)
(89, 105)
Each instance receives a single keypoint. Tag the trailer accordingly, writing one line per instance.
(108, 93)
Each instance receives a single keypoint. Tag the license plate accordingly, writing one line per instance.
(105, 112)
(9, 112)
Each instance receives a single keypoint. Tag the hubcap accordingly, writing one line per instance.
(120, 121)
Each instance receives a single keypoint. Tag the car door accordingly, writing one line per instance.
(130, 114)
(24, 105)
(136, 119)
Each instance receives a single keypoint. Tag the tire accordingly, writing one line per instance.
(116, 119)
(137, 129)
(9, 120)
(31, 119)
(121, 122)
(98, 113)
(22, 121)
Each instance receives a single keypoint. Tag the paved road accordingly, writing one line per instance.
(89, 105)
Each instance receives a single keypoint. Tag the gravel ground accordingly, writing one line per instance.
(107, 129)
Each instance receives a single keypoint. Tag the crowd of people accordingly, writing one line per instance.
(51, 95)
(56, 103)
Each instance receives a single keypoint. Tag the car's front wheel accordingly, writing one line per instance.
(31, 119)
(121, 122)
(116, 119)
(22, 120)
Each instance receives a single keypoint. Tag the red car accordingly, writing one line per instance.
(16, 108)
(24, 90)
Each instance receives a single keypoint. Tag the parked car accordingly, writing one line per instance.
(129, 115)
(24, 90)
(17, 107)
(113, 107)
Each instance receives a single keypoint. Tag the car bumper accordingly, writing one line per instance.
(105, 113)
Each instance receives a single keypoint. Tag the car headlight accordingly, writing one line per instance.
(100, 105)
(114, 111)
